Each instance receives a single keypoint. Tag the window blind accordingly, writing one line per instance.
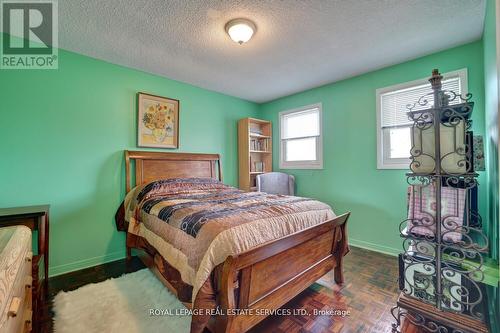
(393, 104)
(301, 124)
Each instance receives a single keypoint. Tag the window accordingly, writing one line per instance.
(300, 138)
(393, 125)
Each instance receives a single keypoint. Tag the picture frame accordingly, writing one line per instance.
(157, 121)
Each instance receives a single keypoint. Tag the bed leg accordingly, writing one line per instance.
(341, 250)
(338, 273)
(129, 253)
(225, 298)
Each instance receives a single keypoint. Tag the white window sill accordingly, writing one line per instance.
(394, 166)
(301, 166)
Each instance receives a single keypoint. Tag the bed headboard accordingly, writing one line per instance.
(150, 166)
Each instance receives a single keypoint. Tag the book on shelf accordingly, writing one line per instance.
(258, 144)
(259, 166)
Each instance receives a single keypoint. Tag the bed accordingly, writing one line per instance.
(262, 251)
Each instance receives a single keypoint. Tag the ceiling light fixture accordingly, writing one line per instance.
(240, 30)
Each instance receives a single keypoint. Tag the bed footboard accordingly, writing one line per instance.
(267, 277)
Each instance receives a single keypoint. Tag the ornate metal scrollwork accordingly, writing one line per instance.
(418, 320)
(443, 241)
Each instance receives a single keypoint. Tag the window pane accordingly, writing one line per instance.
(400, 142)
(301, 124)
(300, 150)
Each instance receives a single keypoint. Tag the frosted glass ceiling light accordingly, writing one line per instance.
(240, 30)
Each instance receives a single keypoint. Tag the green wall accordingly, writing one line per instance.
(491, 139)
(350, 180)
(62, 136)
(491, 118)
(63, 132)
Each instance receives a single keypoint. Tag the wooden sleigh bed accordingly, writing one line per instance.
(263, 278)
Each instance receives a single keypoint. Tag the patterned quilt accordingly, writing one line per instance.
(196, 223)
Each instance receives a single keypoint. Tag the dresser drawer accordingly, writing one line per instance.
(18, 315)
(16, 284)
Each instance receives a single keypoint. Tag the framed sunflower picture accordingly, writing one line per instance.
(157, 121)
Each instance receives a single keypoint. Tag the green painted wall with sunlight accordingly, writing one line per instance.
(350, 180)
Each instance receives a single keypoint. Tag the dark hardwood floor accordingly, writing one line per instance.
(369, 292)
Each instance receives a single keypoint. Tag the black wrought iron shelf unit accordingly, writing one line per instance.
(443, 242)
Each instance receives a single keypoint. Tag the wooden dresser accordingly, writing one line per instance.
(15, 279)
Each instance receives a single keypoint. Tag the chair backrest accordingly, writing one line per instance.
(276, 183)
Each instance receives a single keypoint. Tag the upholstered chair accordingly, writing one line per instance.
(276, 183)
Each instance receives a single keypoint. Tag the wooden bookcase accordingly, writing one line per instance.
(255, 151)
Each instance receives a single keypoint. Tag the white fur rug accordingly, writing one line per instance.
(121, 305)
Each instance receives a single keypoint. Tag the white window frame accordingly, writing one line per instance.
(316, 164)
(383, 162)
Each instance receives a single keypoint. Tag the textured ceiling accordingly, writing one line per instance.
(299, 44)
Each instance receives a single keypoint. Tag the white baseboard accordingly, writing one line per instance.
(375, 247)
(85, 263)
